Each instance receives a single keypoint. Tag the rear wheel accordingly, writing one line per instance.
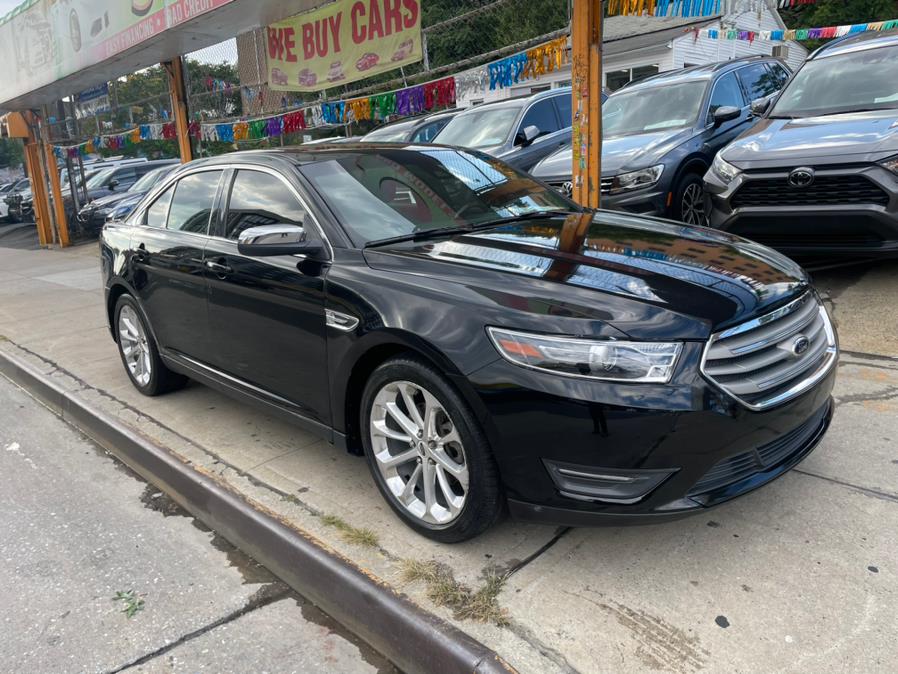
(139, 352)
(427, 452)
(689, 200)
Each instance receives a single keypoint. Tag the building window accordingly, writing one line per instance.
(615, 79)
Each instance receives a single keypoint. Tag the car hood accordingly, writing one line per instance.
(619, 154)
(839, 138)
(111, 200)
(645, 277)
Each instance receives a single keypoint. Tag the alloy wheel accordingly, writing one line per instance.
(693, 205)
(134, 345)
(419, 453)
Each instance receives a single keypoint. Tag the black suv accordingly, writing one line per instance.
(660, 134)
(819, 174)
(478, 336)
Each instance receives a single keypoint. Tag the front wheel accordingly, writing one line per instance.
(427, 452)
(689, 201)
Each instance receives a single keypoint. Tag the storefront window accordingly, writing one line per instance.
(615, 79)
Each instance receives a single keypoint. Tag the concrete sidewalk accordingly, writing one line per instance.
(78, 528)
(798, 576)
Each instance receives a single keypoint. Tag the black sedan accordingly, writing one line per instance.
(480, 338)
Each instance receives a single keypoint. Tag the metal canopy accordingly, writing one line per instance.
(204, 30)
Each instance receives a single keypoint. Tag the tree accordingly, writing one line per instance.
(838, 13)
(12, 152)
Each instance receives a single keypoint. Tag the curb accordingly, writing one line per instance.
(410, 637)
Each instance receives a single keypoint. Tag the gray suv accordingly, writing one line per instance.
(819, 173)
(660, 134)
(519, 131)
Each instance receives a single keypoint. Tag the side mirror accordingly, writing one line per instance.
(760, 105)
(112, 184)
(726, 113)
(269, 240)
(527, 135)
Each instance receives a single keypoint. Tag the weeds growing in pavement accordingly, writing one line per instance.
(444, 590)
(351, 534)
(132, 602)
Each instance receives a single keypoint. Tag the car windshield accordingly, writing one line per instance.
(381, 194)
(480, 128)
(642, 110)
(146, 183)
(99, 178)
(855, 81)
(391, 133)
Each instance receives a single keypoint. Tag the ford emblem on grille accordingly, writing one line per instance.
(800, 345)
(801, 177)
(567, 189)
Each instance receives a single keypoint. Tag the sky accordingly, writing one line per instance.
(8, 5)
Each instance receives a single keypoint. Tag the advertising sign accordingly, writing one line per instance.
(45, 40)
(92, 101)
(342, 42)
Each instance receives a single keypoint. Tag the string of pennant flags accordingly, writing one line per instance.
(795, 34)
(433, 95)
(683, 8)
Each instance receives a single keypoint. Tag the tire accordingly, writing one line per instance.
(139, 352)
(689, 205)
(465, 494)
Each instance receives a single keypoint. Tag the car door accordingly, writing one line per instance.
(266, 314)
(543, 115)
(167, 257)
(726, 91)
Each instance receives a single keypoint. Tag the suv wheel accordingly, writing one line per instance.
(427, 452)
(139, 352)
(689, 201)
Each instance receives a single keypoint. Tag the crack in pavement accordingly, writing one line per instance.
(544, 548)
(867, 491)
(267, 594)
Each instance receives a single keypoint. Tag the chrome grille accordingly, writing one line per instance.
(774, 358)
(567, 187)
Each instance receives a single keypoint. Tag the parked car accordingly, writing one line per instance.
(421, 129)
(660, 135)
(818, 175)
(14, 197)
(519, 131)
(119, 204)
(120, 178)
(4, 207)
(478, 343)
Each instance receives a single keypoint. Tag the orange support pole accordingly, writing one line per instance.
(586, 85)
(62, 224)
(175, 69)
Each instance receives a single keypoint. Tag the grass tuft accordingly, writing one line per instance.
(351, 534)
(444, 590)
(132, 602)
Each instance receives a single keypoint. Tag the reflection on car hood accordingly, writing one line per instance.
(619, 154)
(648, 278)
(794, 140)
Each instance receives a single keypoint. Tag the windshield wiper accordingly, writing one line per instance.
(437, 232)
(851, 111)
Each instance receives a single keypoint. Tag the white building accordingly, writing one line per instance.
(638, 46)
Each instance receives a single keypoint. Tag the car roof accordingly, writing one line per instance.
(857, 42)
(519, 101)
(700, 72)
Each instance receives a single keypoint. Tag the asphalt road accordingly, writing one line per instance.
(77, 530)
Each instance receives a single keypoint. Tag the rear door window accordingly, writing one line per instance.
(194, 198)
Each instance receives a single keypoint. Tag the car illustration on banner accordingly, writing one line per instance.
(85, 21)
(367, 61)
(141, 7)
(335, 74)
(307, 78)
(279, 77)
(404, 51)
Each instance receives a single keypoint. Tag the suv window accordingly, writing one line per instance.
(157, 213)
(780, 75)
(191, 206)
(125, 177)
(757, 81)
(541, 115)
(259, 198)
(564, 110)
(726, 92)
(429, 131)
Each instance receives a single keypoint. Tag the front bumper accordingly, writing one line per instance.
(688, 428)
(838, 223)
(650, 201)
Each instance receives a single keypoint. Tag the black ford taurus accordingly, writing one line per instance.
(480, 338)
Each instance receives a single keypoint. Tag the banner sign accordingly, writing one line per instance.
(42, 41)
(345, 41)
(92, 101)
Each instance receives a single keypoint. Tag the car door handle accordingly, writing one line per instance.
(218, 268)
(141, 254)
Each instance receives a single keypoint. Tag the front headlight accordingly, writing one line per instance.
(890, 164)
(724, 171)
(645, 362)
(636, 179)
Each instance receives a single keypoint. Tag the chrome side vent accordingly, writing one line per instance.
(774, 358)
